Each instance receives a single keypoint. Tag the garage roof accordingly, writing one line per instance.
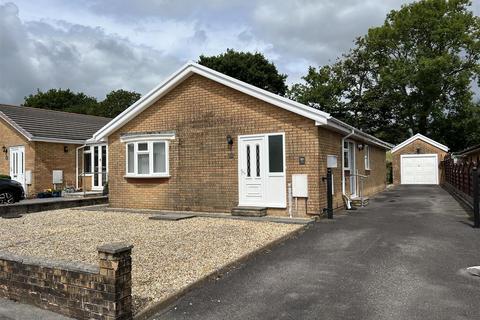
(423, 138)
(51, 126)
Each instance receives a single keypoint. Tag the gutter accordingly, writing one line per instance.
(340, 125)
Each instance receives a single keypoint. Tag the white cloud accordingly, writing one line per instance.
(95, 46)
(63, 55)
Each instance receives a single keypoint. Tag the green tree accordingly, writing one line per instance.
(252, 68)
(117, 101)
(62, 100)
(413, 73)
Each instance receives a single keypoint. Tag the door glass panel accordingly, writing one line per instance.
(275, 153)
(95, 166)
(21, 162)
(104, 164)
(351, 151)
(87, 162)
(143, 163)
(248, 161)
(257, 147)
(159, 157)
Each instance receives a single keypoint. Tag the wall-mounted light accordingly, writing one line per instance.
(65, 149)
(5, 150)
(230, 146)
(229, 140)
(360, 146)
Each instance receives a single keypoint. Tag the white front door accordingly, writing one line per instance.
(17, 164)
(419, 169)
(99, 158)
(261, 170)
(252, 171)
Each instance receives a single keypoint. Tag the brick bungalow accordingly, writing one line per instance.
(468, 155)
(36, 142)
(417, 160)
(204, 141)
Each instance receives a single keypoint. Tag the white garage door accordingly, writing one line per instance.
(419, 169)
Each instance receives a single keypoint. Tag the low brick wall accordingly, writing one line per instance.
(76, 290)
(62, 203)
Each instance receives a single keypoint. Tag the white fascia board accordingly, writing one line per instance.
(148, 137)
(55, 140)
(191, 68)
(423, 138)
(14, 125)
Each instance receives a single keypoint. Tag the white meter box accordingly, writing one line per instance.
(300, 185)
(57, 176)
(331, 161)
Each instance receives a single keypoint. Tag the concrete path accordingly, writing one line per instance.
(10, 310)
(402, 257)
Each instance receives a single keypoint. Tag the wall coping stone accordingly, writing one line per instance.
(50, 263)
(115, 247)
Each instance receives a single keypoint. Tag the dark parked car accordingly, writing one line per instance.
(10, 191)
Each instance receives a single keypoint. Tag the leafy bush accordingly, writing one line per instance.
(4, 176)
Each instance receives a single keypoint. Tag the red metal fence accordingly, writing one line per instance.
(464, 177)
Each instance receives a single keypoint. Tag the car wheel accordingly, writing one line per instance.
(6, 197)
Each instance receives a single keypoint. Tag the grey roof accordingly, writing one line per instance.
(38, 124)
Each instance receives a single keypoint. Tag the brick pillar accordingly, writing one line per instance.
(115, 263)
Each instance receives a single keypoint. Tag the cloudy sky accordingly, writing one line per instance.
(96, 46)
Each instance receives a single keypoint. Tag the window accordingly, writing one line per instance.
(147, 159)
(275, 153)
(87, 160)
(367, 157)
(346, 156)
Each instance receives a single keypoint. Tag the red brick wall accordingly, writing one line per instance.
(411, 148)
(203, 176)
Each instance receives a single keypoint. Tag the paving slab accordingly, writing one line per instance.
(172, 216)
(11, 310)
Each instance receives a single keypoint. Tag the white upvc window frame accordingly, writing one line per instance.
(367, 157)
(346, 155)
(149, 151)
(90, 152)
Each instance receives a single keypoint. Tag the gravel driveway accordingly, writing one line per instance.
(167, 255)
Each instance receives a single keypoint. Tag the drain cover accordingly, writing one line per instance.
(474, 271)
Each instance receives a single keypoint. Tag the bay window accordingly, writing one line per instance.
(147, 159)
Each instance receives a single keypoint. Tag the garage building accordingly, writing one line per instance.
(417, 161)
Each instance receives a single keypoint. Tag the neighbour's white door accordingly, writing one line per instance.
(419, 169)
(99, 159)
(251, 171)
(17, 164)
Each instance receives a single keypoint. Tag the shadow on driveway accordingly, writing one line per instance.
(399, 258)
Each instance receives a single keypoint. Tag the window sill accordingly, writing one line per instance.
(150, 176)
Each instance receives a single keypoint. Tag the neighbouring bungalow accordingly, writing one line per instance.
(417, 161)
(470, 154)
(204, 141)
(42, 149)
